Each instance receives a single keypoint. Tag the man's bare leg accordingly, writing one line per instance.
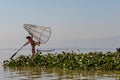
(33, 50)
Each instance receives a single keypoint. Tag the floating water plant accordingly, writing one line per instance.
(68, 60)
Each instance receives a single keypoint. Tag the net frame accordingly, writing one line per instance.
(40, 33)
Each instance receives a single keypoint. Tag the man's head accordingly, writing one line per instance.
(28, 37)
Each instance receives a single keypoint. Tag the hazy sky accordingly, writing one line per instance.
(72, 21)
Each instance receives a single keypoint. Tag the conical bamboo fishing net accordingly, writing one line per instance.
(40, 33)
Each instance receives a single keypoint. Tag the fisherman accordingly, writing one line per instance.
(32, 42)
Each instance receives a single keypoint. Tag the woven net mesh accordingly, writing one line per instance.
(40, 33)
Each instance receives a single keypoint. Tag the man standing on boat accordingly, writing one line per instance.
(32, 42)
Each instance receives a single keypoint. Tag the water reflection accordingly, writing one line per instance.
(37, 73)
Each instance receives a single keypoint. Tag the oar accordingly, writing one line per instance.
(16, 52)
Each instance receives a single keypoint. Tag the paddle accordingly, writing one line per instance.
(16, 52)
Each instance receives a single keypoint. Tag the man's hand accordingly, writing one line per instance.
(31, 35)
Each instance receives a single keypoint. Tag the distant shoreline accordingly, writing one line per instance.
(81, 50)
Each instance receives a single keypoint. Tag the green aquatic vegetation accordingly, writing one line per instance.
(70, 60)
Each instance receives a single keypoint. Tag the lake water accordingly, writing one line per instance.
(36, 73)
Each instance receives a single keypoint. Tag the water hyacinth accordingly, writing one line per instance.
(69, 60)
